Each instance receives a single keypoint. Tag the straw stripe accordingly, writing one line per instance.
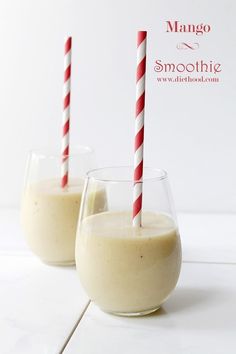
(139, 128)
(139, 172)
(64, 180)
(66, 128)
(66, 152)
(140, 86)
(66, 112)
(140, 103)
(139, 139)
(141, 68)
(142, 35)
(66, 88)
(138, 201)
(68, 43)
(66, 100)
(139, 155)
(67, 73)
(139, 122)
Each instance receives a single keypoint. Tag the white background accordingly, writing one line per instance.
(189, 128)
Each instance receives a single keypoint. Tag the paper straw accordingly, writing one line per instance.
(66, 113)
(139, 128)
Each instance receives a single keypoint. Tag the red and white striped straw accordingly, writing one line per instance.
(139, 128)
(66, 113)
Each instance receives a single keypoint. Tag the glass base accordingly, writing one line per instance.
(60, 263)
(134, 314)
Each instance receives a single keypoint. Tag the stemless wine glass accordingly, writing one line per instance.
(49, 213)
(128, 270)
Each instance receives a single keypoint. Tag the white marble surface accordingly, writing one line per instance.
(199, 318)
(40, 305)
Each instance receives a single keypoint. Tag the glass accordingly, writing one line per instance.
(49, 213)
(128, 270)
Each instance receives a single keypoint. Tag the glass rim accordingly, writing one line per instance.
(47, 152)
(162, 174)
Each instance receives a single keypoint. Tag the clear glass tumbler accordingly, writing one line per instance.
(128, 270)
(49, 213)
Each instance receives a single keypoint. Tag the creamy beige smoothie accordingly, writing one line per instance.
(126, 269)
(49, 218)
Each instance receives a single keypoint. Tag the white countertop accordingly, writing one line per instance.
(44, 310)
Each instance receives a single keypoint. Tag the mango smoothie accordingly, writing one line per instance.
(124, 269)
(49, 218)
